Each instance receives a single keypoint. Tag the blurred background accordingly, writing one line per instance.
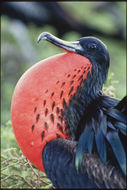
(22, 22)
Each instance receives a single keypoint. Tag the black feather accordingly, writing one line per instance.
(122, 105)
(90, 142)
(82, 146)
(59, 163)
(122, 127)
(110, 125)
(116, 114)
(117, 147)
(101, 146)
(103, 124)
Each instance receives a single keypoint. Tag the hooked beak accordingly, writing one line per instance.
(68, 46)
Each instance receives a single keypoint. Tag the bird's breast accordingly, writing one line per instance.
(39, 101)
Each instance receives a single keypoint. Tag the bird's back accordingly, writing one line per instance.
(59, 155)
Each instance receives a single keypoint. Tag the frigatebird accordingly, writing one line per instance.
(63, 122)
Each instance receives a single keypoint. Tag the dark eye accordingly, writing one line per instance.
(92, 46)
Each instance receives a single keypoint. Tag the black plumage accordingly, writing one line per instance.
(102, 162)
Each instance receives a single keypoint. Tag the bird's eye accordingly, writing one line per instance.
(92, 46)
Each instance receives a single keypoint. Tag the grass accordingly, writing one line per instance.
(16, 170)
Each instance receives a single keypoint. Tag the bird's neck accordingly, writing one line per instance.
(78, 104)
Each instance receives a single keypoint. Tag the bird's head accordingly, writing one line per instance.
(90, 47)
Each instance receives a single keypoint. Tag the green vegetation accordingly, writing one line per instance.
(16, 170)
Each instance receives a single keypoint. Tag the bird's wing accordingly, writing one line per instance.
(105, 132)
(59, 163)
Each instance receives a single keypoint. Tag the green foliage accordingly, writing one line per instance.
(16, 170)
(7, 137)
(108, 87)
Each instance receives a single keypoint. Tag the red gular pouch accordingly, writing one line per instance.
(37, 110)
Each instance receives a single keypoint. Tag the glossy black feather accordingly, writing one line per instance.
(59, 163)
(116, 114)
(92, 161)
(117, 147)
(108, 123)
(122, 105)
(90, 142)
(82, 146)
(121, 126)
(101, 146)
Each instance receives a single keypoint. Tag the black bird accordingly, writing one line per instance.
(94, 155)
